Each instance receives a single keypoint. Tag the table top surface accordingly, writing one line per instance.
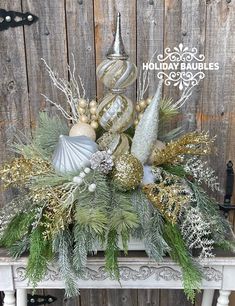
(134, 257)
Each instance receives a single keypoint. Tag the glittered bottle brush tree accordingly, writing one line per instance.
(78, 191)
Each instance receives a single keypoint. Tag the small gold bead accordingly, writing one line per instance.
(81, 110)
(143, 104)
(93, 103)
(137, 108)
(149, 100)
(93, 110)
(140, 116)
(94, 117)
(82, 103)
(94, 124)
(84, 119)
(136, 122)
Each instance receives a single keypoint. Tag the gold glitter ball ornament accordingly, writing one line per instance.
(128, 172)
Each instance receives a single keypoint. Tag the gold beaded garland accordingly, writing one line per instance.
(82, 103)
(84, 119)
(93, 103)
(93, 110)
(94, 124)
(128, 172)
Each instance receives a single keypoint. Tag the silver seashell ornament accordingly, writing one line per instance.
(72, 154)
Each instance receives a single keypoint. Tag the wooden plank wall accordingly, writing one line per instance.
(84, 28)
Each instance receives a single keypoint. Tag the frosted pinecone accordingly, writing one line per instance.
(102, 161)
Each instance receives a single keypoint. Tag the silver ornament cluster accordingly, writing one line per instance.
(102, 161)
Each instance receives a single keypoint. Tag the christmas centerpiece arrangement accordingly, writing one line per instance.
(107, 171)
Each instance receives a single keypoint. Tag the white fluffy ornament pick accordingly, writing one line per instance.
(82, 129)
(147, 130)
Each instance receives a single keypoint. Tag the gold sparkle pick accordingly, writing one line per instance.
(20, 170)
(193, 143)
(168, 199)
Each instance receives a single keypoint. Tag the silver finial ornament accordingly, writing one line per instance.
(117, 49)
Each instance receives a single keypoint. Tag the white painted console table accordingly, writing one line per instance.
(137, 271)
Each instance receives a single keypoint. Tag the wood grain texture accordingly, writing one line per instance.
(149, 297)
(121, 297)
(217, 98)
(14, 104)
(80, 38)
(150, 34)
(105, 14)
(45, 39)
(90, 297)
(193, 29)
(172, 35)
(173, 298)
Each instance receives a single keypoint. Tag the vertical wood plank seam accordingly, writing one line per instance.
(94, 46)
(26, 71)
(66, 38)
(203, 84)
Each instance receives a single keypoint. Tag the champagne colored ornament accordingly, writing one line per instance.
(82, 129)
(118, 144)
(94, 125)
(147, 129)
(128, 172)
(72, 154)
(115, 112)
(158, 146)
(117, 72)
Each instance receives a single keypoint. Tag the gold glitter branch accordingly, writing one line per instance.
(169, 199)
(194, 143)
(17, 172)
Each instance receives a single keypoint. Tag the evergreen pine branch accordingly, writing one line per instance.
(171, 135)
(16, 229)
(167, 109)
(63, 246)
(123, 217)
(39, 254)
(155, 245)
(47, 134)
(19, 247)
(177, 170)
(111, 254)
(80, 250)
(45, 138)
(192, 275)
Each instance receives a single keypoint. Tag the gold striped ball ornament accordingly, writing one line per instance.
(118, 144)
(115, 112)
(116, 73)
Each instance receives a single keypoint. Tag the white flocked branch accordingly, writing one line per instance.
(73, 90)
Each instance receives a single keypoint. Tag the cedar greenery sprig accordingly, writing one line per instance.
(191, 273)
(40, 253)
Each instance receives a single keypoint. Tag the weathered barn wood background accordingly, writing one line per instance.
(85, 27)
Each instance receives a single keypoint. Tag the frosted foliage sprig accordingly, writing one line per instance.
(202, 173)
(73, 90)
(196, 232)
